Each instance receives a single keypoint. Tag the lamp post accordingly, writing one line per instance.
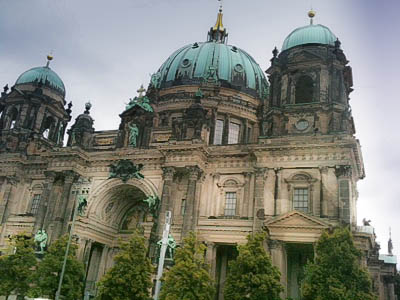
(163, 249)
(58, 293)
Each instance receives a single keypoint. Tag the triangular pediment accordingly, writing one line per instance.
(297, 219)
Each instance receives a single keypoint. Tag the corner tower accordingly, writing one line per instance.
(310, 85)
(33, 115)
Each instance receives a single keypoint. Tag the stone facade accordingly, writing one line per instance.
(225, 162)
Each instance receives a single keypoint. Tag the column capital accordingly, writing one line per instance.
(13, 180)
(50, 176)
(274, 244)
(168, 173)
(343, 171)
(69, 176)
(261, 172)
(194, 172)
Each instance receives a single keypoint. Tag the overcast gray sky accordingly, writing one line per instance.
(104, 50)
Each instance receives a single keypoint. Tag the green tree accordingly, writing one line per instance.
(48, 273)
(189, 278)
(17, 269)
(335, 273)
(130, 277)
(252, 275)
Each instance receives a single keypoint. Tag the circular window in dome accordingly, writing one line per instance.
(239, 68)
(185, 63)
(302, 125)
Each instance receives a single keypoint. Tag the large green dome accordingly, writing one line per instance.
(310, 34)
(228, 65)
(43, 75)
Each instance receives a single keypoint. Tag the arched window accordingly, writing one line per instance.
(304, 89)
(300, 187)
(13, 115)
(48, 127)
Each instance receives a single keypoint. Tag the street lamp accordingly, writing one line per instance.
(164, 244)
(78, 207)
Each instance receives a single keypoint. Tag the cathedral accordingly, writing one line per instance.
(227, 148)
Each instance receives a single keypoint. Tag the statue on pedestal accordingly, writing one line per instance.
(133, 134)
(171, 245)
(41, 240)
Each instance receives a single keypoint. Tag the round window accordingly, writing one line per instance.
(239, 68)
(302, 125)
(185, 63)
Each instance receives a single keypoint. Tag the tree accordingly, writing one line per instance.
(130, 277)
(48, 273)
(17, 269)
(189, 278)
(252, 275)
(335, 273)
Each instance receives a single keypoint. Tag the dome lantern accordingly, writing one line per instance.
(218, 33)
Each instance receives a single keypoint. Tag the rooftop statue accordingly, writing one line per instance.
(133, 134)
(153, 202)
(82, 204)
(366, 222)
(41, 240)
(141, 101)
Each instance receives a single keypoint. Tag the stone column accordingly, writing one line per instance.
(323, 193)
(277, 192)
(269, 201)
(343, 174)
(61, 209)
(166, 203)
(244, 210)
(103, 262)
(278, 257)
(259, 212)
(4, 211)
(48, 187)
(189, 220)
(212, 258)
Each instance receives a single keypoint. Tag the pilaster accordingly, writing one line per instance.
(48, 187)
(189, 219)
(61, 209)
(259, 211)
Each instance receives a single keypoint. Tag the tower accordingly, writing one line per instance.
(33, 113)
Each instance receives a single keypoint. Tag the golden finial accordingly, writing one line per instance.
(311, 15)
(218, 25)
(49, 59)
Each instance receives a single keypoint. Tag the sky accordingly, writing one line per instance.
(104, 50)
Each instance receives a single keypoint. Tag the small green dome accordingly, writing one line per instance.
(228, 65)
(310, 34)
(43, 75)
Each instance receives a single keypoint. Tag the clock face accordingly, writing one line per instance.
(302, 125)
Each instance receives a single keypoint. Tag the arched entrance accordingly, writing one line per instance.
(120, 208)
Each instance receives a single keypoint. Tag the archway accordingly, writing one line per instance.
(121, 207)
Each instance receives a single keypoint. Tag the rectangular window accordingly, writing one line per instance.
(300, 199)
(233, 136)
(183, 207)
(35, 204)
(219, 128)
(230, 204)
